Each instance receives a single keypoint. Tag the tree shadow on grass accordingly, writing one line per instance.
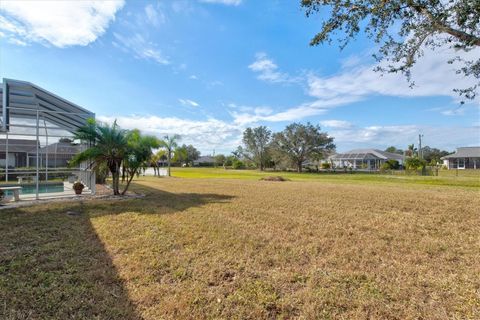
(54, 266)
(156, 201)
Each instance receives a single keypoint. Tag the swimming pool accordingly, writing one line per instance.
(30, 188)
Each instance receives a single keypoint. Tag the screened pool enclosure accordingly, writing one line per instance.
(36, 142)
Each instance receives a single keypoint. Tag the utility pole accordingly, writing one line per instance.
(214, 162)
(420, 152)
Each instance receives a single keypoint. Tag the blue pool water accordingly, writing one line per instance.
(42, 188)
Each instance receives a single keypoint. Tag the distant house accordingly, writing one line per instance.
(204, 161)
(57, 154)
(18, 150)
(22, 153)
(371, 159)
(463, 158)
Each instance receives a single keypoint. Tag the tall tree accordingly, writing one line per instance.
(256, 141)
(170, 142)
(186, 154)
(154, 160)
(393, 149)
(108, 146)
(162, 154)
(180, 155)
(220, 160)
(138, 152)
(404, 28)
(433, 155)
(192, 154)
(238, 153)
(300, 142)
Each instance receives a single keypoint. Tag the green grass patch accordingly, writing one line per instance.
(465, 178)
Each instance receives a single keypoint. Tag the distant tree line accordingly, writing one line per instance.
(170, 153)
(125, 153)
(429, 154)
(417, 159)
(290, 148)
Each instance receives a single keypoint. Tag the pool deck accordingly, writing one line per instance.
(103, 193)
(67, 193)
(52, 195)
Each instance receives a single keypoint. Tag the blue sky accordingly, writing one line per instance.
(208, 69)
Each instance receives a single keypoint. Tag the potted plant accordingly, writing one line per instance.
(78, 187)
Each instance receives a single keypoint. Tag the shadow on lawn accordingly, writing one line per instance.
(54, 266)
(156, 201)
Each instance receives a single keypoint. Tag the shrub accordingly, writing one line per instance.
(415, 163)
(390, 165)
(250, 165)
(326, 165)
(206, 164)
(2, 195)
(237, 164)
(229, 161)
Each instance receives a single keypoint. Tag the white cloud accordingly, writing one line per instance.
(302, 111)
(225, 2)
(140, 47)
(17, 42)
(267, 70)
(248, 115)
(203, 134)
(378, 136)
(136, 36)
(193, 77)
(337, 124)
(432, 75)
(453, 111)
(59, 23)
(154, 15)
(188, 102)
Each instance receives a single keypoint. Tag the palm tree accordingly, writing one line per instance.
(139, 152)
(170, 143)
(153, 162)
(108, 146)
(411, 150)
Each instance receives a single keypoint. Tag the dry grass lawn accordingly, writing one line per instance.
(244, 249)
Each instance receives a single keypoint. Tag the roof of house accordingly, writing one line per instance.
(18, 145)
(61, 148)
(362, 154)
(30, 146)
(464, 152)
(205, 159)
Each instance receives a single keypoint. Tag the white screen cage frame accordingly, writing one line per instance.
(34, 116)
